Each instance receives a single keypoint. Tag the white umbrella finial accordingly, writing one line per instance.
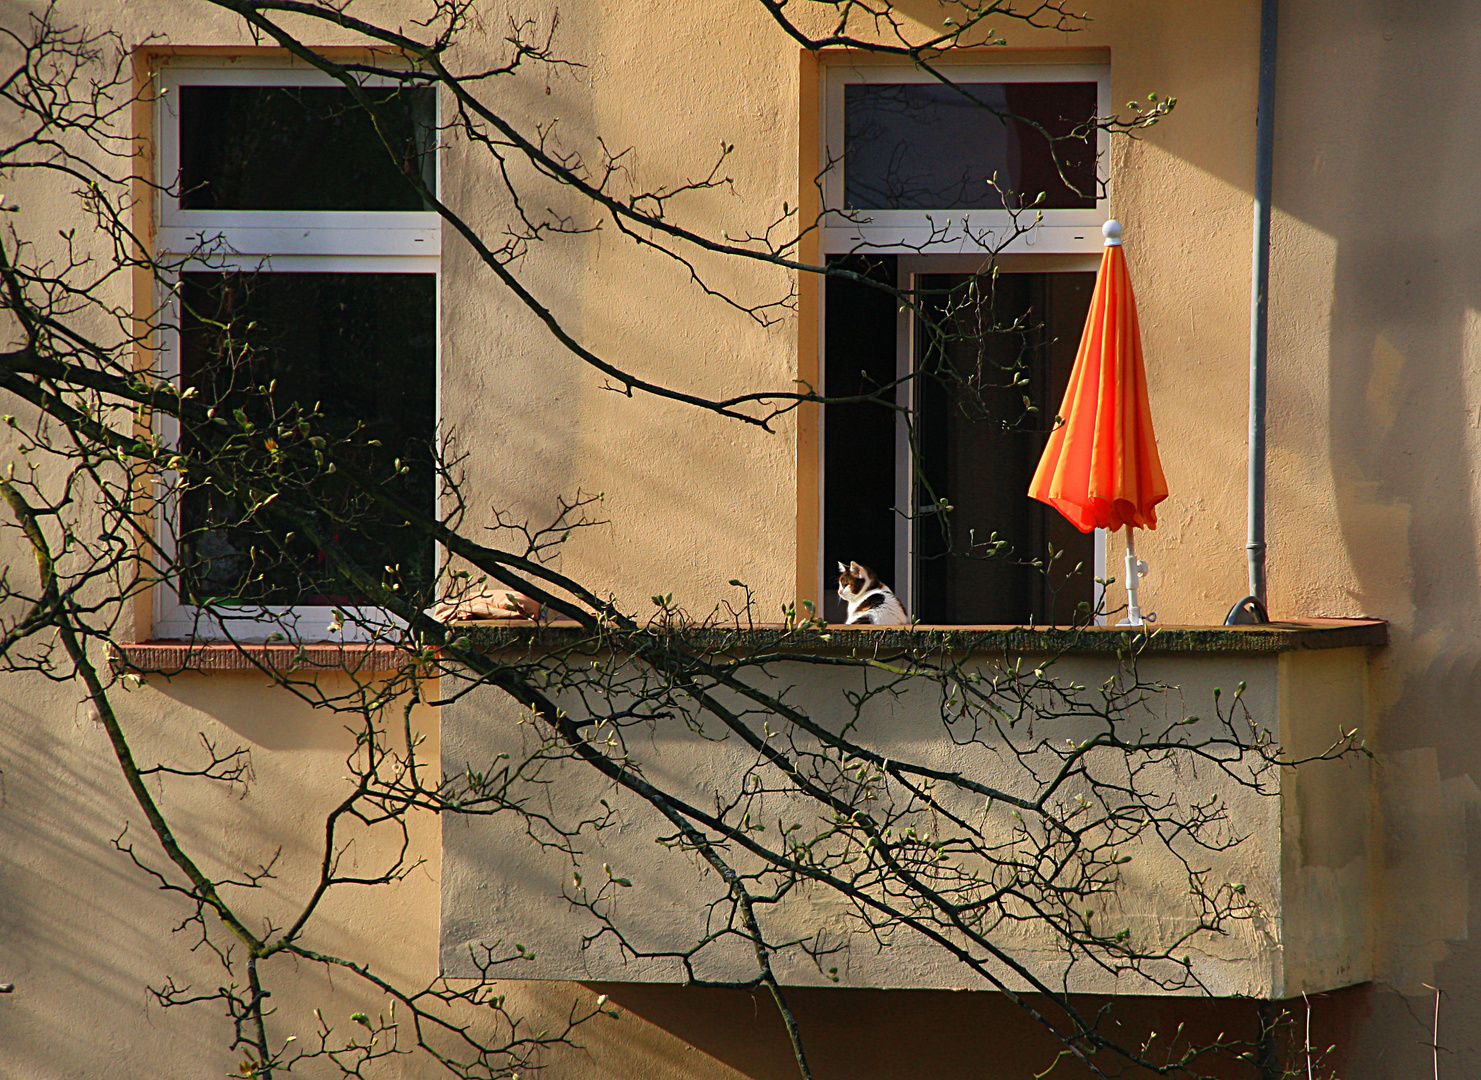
(1111, 230)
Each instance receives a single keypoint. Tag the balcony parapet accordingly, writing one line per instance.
(1304, 860)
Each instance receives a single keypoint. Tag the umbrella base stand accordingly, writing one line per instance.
(1135, 571)
(1247, 612)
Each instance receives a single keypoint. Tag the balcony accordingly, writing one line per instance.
(1300, 864)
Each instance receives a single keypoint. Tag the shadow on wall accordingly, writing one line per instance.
(852, 1033)
(1378, 146)
(1390, 180)
(80, 928)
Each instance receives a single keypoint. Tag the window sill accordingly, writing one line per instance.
(182, 657)
(1273, 637)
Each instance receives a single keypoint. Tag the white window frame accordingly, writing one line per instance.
(384, 242)
(408, 234)
(1058, 232)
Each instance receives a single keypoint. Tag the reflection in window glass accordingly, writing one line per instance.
(979, 446)
(358, 349)
(303, 148)
(924, 146)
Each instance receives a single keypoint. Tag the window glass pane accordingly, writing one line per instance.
(361, 351)
(303, 148)
(924, 146)
(979, 446)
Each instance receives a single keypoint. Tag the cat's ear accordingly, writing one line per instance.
(858, 571)
(842, 568)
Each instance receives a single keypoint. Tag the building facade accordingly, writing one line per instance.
(1374, 428)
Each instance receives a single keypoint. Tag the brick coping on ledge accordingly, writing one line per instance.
(178, 657)
(172, 657)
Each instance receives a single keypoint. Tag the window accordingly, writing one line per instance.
(913, 164)
(923, 180)
(307, 280)
(976, 443)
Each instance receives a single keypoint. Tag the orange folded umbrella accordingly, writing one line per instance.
(1101, 469)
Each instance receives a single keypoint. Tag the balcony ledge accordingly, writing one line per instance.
(179, 657)
(1275, 637)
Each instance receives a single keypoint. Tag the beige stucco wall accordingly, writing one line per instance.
(1375, 390)
(83, 933)
(1375, 295)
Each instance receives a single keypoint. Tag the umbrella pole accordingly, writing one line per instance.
(1133, 580)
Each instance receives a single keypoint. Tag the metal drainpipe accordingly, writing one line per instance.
(1259, 314)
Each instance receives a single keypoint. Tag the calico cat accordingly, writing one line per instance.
(869, 600)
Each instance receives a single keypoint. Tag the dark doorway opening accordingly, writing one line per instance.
(984, 401)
